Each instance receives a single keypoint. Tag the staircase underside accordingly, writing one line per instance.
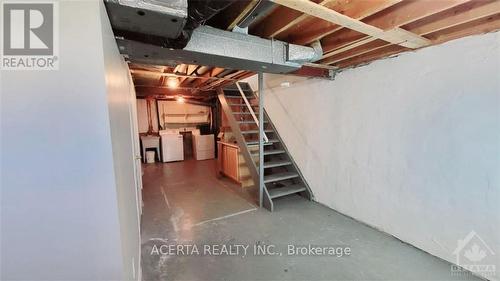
(281, 175)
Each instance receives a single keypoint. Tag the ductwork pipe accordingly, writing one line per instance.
(302, 54)
(215, 47)
(164, 23)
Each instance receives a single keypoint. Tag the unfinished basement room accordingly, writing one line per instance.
(250, 140)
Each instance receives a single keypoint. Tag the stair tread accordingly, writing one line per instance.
(251, 96)
(276, 163)
(270, 152)
(280, 176)
(255, 131)
(286, 190)
(248, 121)
(256, 142)
(241, 104)
(274, 151)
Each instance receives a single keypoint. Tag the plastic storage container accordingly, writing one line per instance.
(150, 156)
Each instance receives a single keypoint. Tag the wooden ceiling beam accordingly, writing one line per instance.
(191, 68)
(373, 55)
(410, 11)
(394, 36)
(453, 17)
(155, 90)
(237, 75)
(383, 20)
(280, 20)
(311, 71)
(362, 49)
(415, 10)
(459, 15)
(206, 77)
(163, 74)
(214, 84)
(479, 26)
(313, 29)
(246, 8)
(483, 25)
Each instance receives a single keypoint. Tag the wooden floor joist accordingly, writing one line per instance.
(281, 19)
(248, 7)
(351, 32)
(478, 26)
(373, 55)
(212, 73)
(393, 36)
(385, 21)
(361, 49)
(313, 29)
(453, 17)
(414, 10)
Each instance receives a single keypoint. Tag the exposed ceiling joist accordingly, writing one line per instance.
(453, 17)
(282, 19)
(311, 30)
(212, 73)
(362, 49)
(414, 11)
(242, 14)
(145, 72)
(394, 36)
(410, 11)
(309, 71)
(165, 91)
(479, 26)
(219, 83)
(372, 55)
(190, 69)
(352, 32)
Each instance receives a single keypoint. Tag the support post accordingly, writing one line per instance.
(261, 138)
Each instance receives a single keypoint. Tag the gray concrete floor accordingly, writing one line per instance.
(185, 203)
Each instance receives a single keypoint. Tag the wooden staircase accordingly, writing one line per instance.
(281, 175)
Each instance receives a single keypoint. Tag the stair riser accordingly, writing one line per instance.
(281, 176)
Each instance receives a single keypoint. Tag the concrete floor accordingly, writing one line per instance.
(185, 203)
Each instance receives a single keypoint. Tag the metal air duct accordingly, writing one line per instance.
(215, 47)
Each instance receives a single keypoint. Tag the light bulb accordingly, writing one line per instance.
(180, 99)
(172, 82)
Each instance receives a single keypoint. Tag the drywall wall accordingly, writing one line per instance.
(174, 114)
(409, 145)
(125, 138)
(142, 115)
(60, 217)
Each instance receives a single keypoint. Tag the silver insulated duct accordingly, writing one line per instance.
(199, 44)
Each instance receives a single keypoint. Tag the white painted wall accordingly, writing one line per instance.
(66, 202)
(142, 115)
(174, 114)
(409, 145)
(124, 138)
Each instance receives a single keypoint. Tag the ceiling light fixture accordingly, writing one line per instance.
(285, 84)
(172, 82)
(180, 99)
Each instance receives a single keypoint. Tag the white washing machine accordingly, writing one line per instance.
(172, 146)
